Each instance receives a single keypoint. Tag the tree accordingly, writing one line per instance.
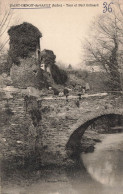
(104, 47)
(69, 66)
(4, 65)
(59, 75)
(4, 23)
(7, 18)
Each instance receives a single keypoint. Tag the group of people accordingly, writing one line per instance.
(81, 91)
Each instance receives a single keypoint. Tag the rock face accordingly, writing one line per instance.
(27, 74)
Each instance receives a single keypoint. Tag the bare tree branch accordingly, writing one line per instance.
(104, 46)
(1, 48)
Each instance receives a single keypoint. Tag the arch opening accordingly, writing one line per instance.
(84, 138)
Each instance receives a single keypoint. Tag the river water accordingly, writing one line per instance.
(101, 173)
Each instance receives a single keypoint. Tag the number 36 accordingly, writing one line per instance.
(107, 7)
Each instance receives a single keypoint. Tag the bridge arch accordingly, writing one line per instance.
(73, 143)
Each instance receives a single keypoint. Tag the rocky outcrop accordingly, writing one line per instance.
(28, 74)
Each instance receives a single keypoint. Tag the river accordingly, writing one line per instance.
(102, 173)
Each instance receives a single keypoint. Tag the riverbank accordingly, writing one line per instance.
(90, 139)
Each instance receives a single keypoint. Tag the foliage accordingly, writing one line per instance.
(55, 91)
(26, 36)
(4, 63)
(48, 57)
(9, 112)
(82, 74)
(59, 75)
(69, 66)
(35, 116)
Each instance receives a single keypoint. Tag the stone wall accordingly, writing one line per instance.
(28, 74)
(44, 126)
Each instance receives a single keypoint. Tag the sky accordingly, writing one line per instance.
(63, 28)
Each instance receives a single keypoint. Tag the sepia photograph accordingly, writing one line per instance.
(61, 96)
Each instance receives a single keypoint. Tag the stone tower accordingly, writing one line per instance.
(25, 56)
(24, 42)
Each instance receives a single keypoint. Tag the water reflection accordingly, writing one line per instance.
(104, 176)
(106, 163)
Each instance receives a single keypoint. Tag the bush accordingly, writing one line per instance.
(59, 75)
(82, 74)
(56, 92)
(4, 63)
(35, 116)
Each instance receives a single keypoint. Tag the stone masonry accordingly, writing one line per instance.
(48, 124)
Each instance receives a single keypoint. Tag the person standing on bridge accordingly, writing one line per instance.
(80, 92)
(87, 87)
(66, 93)
(83, 90)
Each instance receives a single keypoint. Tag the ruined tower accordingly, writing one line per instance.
(25, 56)
(24, 42)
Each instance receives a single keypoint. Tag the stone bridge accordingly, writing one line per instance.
(51, 126)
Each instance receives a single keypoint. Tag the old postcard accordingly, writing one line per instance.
(61, 97)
